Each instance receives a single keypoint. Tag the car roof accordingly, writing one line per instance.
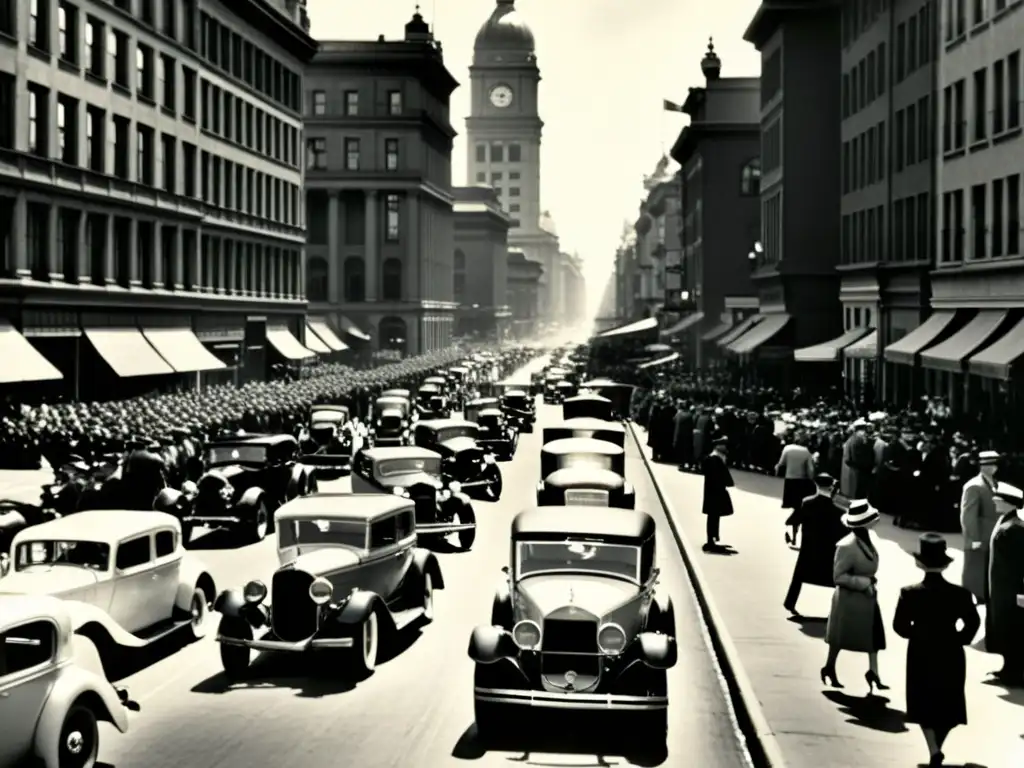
(570, 445)
(435, 379)
(442, 423)
(252, 440)
(100, 525)
(329, 407)
(343, 506)
(395, 392)
(590, 398)
(546, 522)
(17, 609)
(516, 391)
(589, 422)
(391, 399)
(429, 386)
(583, 477)
(483, 401)
(383, 453)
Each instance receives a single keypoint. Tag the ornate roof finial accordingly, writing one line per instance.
(711, 65)
(711, 44)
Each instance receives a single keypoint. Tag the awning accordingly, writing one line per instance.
(996, 360)
(325, 334)
(739, 330)
(659, 361)
(687, 322)
(905, 350)
(314, 343)
(127, 352)
(718, 331)
(285, 343)
(760, 334)
(865, 349)
(22, 361)
(182, 349)
(828, 351)
(647, 324)
(347, 326)
(950, 354)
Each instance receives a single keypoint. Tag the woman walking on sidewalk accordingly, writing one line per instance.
(854, 621)
(797, 467)
(927, 615)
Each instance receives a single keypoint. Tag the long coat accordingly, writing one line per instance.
(717, 482)
(1004, 619)
(823, 528)
(702, 436)
(978, 518)
(854, 621)
(858, 466)
(927, 615)
(682, 440)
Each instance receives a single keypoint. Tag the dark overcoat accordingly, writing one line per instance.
(702, 436)
(858, 466)
(682, 440)
(717, 482)
(1004, 619)
(822, 524)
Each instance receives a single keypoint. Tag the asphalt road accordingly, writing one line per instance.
(416, 709)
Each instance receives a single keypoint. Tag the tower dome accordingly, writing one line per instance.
(505, 30)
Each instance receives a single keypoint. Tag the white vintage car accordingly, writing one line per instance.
(53, 692)
(125, 575)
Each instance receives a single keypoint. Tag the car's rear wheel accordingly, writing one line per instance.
(199, 613)
(260, 524)
(235, 658)
(494, 483)
(468, 536)
(79, 739)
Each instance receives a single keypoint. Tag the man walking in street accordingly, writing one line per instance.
(717, 482)
(823, 527)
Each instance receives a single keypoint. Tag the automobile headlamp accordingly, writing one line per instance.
(254, 592)
(189, 488)
(488, 458)
(399, 491)
(526, 635)
(455, 486)
(321, 591)
(611, 639)
(227, 492)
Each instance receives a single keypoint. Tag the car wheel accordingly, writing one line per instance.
(467, 536)
(235, 658)
(428, 598)
(490, 720)
(494, 484)
(363, 655)
(261, 523)
(79, 739)
(199, 613)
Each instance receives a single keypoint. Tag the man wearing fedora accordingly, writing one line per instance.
(978, 518)
(927, 616)
(822, 525)
(1004, 618)
(858, 462)
(717, 482)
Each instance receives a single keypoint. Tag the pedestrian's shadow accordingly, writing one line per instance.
(720, 549)
(812, 626)
(954, 765)
(868, 712)
(1014, 695)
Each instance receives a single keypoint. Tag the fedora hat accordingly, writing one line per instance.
(824, 480)
(988, 457)
(860, 514)
(931, 551)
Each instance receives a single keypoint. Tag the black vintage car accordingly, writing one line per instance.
(576, 624)
(598, 429)
(464, 460)
(431, 402)
(247, 478)
(415, 473)
(588, 406)
(495, 431)
(458, 381)
(519, 408)
(584, 471)
(620, 395)
(327, 438)
(391, 418)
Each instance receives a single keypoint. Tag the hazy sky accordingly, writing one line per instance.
(606, 66)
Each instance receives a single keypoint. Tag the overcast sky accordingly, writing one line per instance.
(606, 67)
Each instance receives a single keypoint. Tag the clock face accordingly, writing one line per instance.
(501, 96)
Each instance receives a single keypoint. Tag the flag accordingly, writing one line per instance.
(671, 106)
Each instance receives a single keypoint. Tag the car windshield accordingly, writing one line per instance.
(450, 433)
(327, 417)
(84, 554)
(537, 557)
(244, 454)
(585, 461)
(396, 467)
(346, 533)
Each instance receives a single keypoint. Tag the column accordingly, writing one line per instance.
(231, 267)
(177, 261)
(333, 249)
(156, 254)
(273, 259)
(194, 255)
(19, 236)
(109, 249)
(244, 268)
(83, 253)
(134, 280)
(372, 242)
(54, 262)
(301, 292)
(261, 276)
(411, 289)
(221, 286)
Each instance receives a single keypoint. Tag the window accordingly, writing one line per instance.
(188, 83)
(38, 120)
(391, 154)
(351, 103)
(94, 53)
(133, 553)
(1013, 215)
(881, 70)
(750, 178)
(391, 280)
(319, 103)
(978, 221)
(979, 12)
(95, 121)
(901, 52)
(67, 27)
(316, 154)
(144, 71)
(513, 191)
(514, 224)
(144, 154)
(188, 168)
(355, 279)
(394, 102)
(383, 533)
(170, 20)
(317, 279)
(513, 175)
(901, 139)
(1013, 88)
(67, 129)
(392, 212)
(495, 177)
(513, 208)
(997, 218)
(168, 92)
(925, 120)
(980, 109)
(459, 286)
(481, 177)
(39, 25)
(117, 49)
(515, 153)
(912, 45)
(912, 134)
(146, 11)
(27, 646)
(168, 155)
(497, 153)
(165, 540)
(959, 116)
(481, 153)
(121, 145)
(351, 154)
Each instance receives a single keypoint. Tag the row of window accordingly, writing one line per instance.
(244, 124)
(863, 159)
(771, 231)
(914, 139)
(858, 16)
(866, 81)
(864, 235)
(916, 40)
(995, 105)
(956, 15)
(318, 104)
(995, 221)
(497, 177)
(353, 279)
(498, 153)
(316, 155)
(771, 146)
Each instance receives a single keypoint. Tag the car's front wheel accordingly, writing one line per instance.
(79, 739)
(235, 658)
(466, 537)
(259, 524)
(491, 720)
(366, 643)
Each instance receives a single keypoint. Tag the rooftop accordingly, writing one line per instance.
(348, 506)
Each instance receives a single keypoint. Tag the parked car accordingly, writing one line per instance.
(582, 470)
(495, 432)
(463, 459)
(431, 402)
(247, 478)
(405, 394)
(519, 408)
(415, 473)
(576, 623)
(126, 576)
(556, 388)
(350, 577)
(391, 420)
(53, 687)
(588, 406)
(328, 437)
(598, 429)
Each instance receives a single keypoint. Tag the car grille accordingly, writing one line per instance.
(425, 498)
(587, 498)
(322, 435)
(570, 645)
(294, 613)
(468, 462)
(563, 635)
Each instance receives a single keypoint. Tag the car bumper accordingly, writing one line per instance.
(212, 520)
(287, 647)
(578, 701)
(442, 529)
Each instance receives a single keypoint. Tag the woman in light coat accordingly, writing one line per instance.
(854, 621)
(796, 465)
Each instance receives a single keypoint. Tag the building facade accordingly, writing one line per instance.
(480, 279)
(574, 291)
(379, 190)
(651, 231)
(627, 277)
(151, 188)
(524, 285)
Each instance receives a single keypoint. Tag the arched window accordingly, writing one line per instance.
(460, 261)
(393, 334)
(391, 282)
(355, 279)
(750, 178)
(317, 278)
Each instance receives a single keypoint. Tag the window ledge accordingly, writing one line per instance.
(979, 144)
(980, 27)
(1006, 135)
(145, 99)
(69, 66)
(93, 77)
(121, 89)
(954, 153)
(39, 53)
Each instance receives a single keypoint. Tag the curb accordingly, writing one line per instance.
(764, 748)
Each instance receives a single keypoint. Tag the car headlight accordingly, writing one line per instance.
(488, 458)
(189, 488)
(455, 486)
(254, 592)
(321, 591)
(227, 492)
(398, 491)
(611, 639)
(527, 635)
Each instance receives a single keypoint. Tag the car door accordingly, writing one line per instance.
(135, 582)
(27, 670)
(383, 567)
(167, 556)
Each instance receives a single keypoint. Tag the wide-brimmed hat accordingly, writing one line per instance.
(988, 458)
(860, 424)
(860, 514)
(931, 551)
(824, 480)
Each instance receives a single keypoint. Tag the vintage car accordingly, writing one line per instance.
(587, 406)
(576, 623)
(550, 391)
(415, 473)
(327, 438)
(440, 381)
(495, 432)
(519, 408)
(537, 381)
(403, 393)
(350, 577)
(598, 429)
(620, 395)
(463, 459)
(458, 380)
(125, 575)
(247, 478)
(431, 402)
(53, 688)
(584, 471)
(391, 419)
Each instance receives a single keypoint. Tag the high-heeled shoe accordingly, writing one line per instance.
(873, 682)
(828, 677)
(937, 760)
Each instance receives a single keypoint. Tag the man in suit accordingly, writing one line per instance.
(858, 462)
(1004, 618)
(978, 518)
(682, 439)
(823, 527)
(144, 475)
(717, 482)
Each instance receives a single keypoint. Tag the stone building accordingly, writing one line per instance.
(480, 287)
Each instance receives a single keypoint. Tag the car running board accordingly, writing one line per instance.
(161, 630)
(406, 617)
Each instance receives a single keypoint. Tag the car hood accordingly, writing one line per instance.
(48, 580)
(407, 480)
(320, 562)
(598, 479)
(598, 595)
(226, 471)
(460, 444)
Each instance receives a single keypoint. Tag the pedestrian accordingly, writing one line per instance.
(927, 615)
(717, 482)
(823, 527)
(858, 462)
(978, 517)
(854, 620)
(796, 465)
(1004, 618)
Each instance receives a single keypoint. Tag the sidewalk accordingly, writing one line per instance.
(24, 485)
(817, 726)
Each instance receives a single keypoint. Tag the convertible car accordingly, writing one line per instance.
(598, 429)
(576, 623)
(495, 432)
(391, 418)
(584, 471)
(463, 459)
(350, 578)
(327, 438)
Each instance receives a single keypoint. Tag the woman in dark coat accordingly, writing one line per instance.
(927, 615)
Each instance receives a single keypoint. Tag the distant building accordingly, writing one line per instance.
(480, 287)
(523, 285)
(574, 291)
(651, 228)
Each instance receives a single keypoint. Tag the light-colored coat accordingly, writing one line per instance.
(851, 620)
(978, 518)
(797, 463)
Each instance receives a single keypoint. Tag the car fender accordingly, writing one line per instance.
(296, 482)
(230, 603)
(250, 499)
(425, 562)
(361, 604)
(96, 624)
(193, 574)
(75, 685)
(656, 650)
(168, 500)
(502, 613)
(490, 644)
(457, 502)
